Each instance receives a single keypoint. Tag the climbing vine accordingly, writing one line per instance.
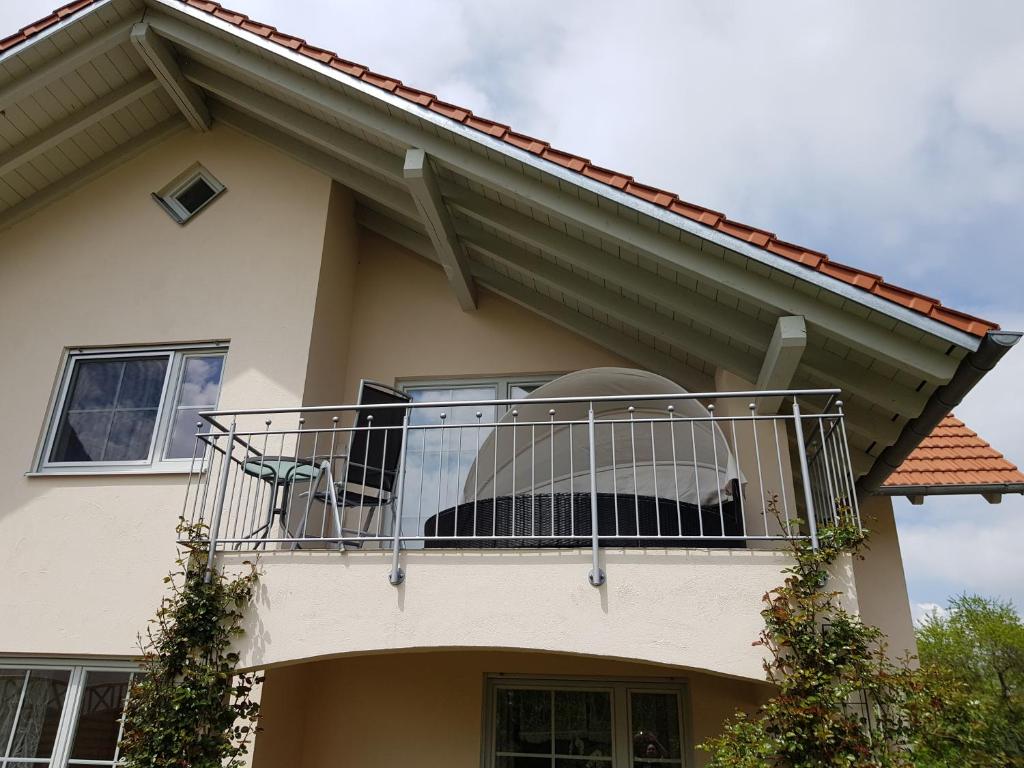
(190, 708)
(841, 700)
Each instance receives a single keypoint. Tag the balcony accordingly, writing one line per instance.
(597, 460)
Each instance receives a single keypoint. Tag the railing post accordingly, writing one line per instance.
(596, 574)
(805, 472)
(218, 502)
(397, 575)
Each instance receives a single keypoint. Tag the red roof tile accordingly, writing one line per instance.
(953, 454)
(760, 238)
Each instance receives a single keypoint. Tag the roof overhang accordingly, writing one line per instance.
(676, 296)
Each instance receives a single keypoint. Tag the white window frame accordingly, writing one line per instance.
(622, 726)
(167, 197)
(156, 461)
(68, 723)
(502, 384)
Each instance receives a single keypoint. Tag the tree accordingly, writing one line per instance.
(979, 642)
(841, 701)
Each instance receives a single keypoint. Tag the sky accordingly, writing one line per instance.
(888, 135)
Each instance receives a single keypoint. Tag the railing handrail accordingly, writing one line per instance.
(210, 415)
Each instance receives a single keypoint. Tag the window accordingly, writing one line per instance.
(189, 193)
(438, 461)
(584, 724)
(131, 409)
(61, 715)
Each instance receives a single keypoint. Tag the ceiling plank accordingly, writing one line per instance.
(76, 122)
(610, 302)
(63, 64)
(386, 194)
(387, 227)
(93, 170)
(161, 61)
(423, 186)
(782, 359)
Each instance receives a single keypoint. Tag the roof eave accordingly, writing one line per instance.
(950, 489)
(833, 285)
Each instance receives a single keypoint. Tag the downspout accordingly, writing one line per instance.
(972, 368)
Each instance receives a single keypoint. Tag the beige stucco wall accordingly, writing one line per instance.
(880, 582)
(82, 557)
(688, 608)
(427, 709)
(406, 324)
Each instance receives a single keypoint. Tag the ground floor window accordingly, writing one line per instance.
(61, 714)
(584, 724)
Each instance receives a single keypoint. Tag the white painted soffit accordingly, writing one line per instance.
(61, 25)
(902, 314)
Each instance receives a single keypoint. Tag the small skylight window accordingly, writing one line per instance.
(189, 193)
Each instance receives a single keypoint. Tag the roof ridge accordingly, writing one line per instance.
(670, 201)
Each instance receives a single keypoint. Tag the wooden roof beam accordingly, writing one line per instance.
(420, 178)
(161, 61)
(782, 359)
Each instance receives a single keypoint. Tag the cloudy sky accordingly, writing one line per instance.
(889, 135)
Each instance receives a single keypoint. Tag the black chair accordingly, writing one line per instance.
(370, 467)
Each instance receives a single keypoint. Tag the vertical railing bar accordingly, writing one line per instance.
(515, 418)
(476, 474)
(572, 485)
(533, 479)
(854, 503)
(739, 471)
(757, 457)
(596, 576)
(782, 477)
(718, 470)
(188, 483)
(218, 503)
(551, 469)
(654, 471)
(696, 477)
(458, 478)
(440, 473)
(615, 480)
(330, 479)
(829, 512)
(397, 575)
(632, 447)
(812, 523)
(675, 467)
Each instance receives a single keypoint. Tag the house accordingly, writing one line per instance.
(517, 440)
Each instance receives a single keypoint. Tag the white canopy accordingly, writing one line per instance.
(686, 458)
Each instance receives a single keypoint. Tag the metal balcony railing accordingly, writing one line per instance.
(611, 471)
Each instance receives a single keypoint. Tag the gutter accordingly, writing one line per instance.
(972, 368)
(950, 490)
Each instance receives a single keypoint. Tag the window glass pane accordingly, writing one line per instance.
(519, 391)
(194, 195)
(97, 728)
(583, 723)
(200, 381)
(130, 435)
(36, 729)
(143, 383)
(94, 384)
(82, 436)
(655, 722)
(523, 722)
(11, 683)
(199, 391)
(438, 461)
(110, 410)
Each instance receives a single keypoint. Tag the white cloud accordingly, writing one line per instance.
(921, 611)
